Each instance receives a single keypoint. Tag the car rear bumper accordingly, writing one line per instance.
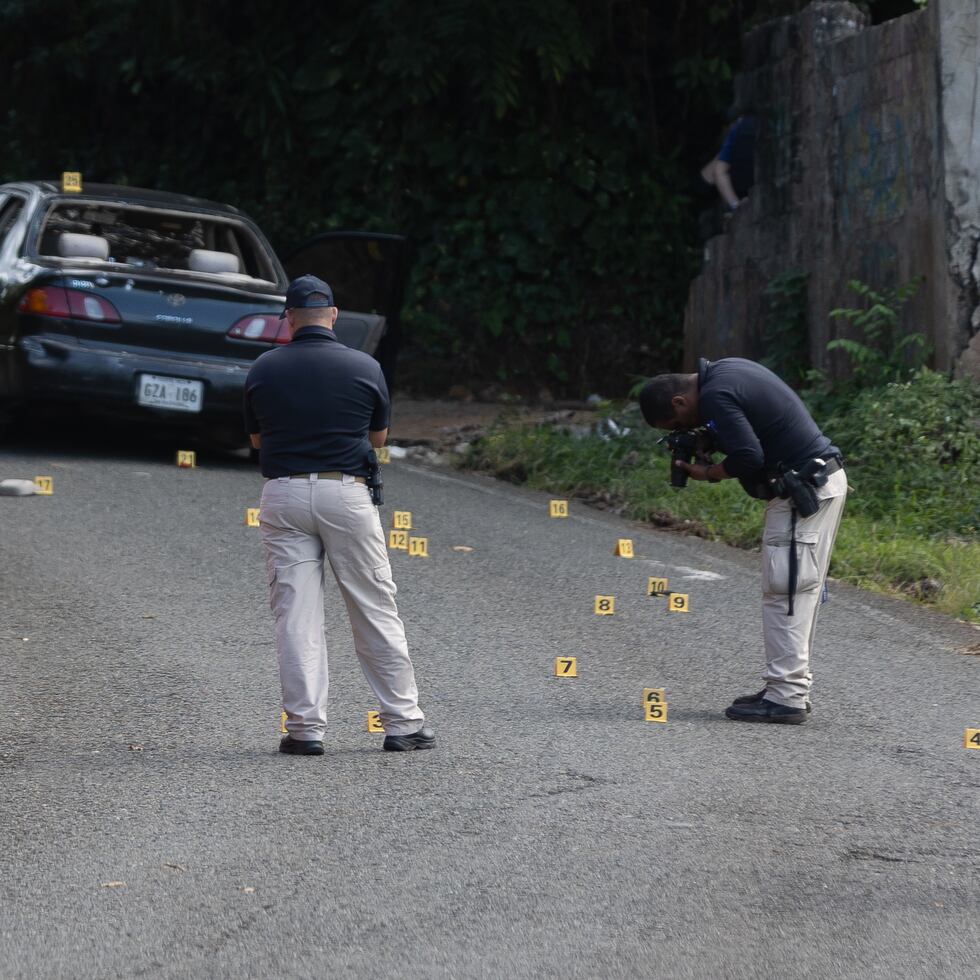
(57, 370)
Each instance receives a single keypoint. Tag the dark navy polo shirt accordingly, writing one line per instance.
(758, 421)
(313, 401)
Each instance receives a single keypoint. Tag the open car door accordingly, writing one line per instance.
(368, 273)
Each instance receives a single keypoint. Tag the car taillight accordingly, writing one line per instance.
(264, 327)
(85, 306)
(50, 301)
(56, 301)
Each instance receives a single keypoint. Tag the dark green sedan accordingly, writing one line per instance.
(151, 306)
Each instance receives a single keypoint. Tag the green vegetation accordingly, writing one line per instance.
(785, 336)
(911, 523)
(540, 154)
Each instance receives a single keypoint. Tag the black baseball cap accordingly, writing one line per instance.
(307, 292)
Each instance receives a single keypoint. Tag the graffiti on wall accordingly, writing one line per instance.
(873, 166)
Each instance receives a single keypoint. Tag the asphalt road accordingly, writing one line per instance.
(150, 829)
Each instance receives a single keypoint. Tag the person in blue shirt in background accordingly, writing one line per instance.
(732, 171)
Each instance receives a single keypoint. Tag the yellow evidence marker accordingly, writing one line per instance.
(398, 540)
(605, 605)
(252, 516)
(186, 458)
(402, 520)
(654, 695)
(418, 547)
(624, 548)
(282, 723)
(374, 725)
(44, 485)
(558, 508)
(566, 667)
(971, 738)
(655, 711)
(384, 455)
(656, 586)
(71, 182)
(677, 602)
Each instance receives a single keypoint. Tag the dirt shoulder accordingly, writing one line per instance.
(441, 426)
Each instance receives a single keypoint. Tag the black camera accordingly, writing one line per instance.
(682, 446)
(688, 445)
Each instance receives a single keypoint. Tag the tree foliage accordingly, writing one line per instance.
(540, 154)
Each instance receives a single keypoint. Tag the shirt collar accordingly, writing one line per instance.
(703, 365)
(313, 331)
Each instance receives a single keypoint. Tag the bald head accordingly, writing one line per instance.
(316, 316)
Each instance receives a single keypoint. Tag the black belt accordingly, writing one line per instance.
(834, 464)
(331, 475)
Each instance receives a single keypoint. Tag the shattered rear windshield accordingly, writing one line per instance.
(148, 238)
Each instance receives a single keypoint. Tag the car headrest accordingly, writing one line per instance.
(74, 246)
(204, 260)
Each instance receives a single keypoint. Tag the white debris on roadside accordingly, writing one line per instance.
(17, 488)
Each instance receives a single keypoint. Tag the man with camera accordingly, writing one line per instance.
(777, 452)
(316, 411)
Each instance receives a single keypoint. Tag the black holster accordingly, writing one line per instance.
(374, 483)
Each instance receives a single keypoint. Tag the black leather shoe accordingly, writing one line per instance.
(764, 710)
(424, 738)
(297, 746)
(753, 698)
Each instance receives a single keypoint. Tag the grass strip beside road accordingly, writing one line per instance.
(885, 550)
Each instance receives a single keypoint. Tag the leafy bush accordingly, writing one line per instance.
(883, 354)
(914, 446)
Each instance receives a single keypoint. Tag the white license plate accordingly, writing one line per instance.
(175, 393)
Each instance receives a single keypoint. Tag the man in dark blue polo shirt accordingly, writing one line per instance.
(314, 409)
(765, 432)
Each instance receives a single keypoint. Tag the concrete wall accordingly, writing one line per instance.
(866, 168)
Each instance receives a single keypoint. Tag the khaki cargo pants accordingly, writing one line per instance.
(307, 524)
(788, 639)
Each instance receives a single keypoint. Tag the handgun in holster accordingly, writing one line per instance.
(374, 483)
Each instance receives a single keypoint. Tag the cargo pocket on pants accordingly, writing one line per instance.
(775, 562)
(382, 576)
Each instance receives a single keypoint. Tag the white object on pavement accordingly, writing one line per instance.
(16, 488)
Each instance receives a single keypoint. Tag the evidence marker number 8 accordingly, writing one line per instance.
(605, 605)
